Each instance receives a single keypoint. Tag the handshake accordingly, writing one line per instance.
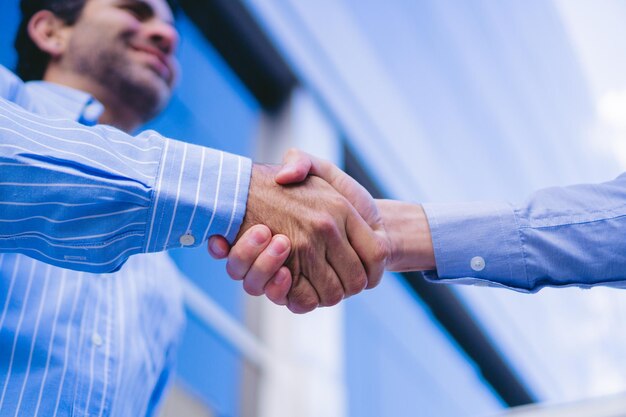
(312, 236)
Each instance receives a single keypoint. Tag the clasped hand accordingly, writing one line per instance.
(311, 236)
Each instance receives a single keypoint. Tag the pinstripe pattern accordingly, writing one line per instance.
(83, 199)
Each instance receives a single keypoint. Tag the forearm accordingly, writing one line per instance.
(88, 197)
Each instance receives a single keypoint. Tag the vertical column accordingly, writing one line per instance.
(306, 379)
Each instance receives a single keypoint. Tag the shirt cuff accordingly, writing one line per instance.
(199, 192)
(478, 244)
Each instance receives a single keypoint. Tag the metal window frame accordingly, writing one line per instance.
(232, 30)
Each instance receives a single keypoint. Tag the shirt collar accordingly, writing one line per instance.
(62, 101)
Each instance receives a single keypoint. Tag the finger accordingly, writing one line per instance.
(295, 168)
(218, 247)
(328, 286)
(266, 265)
(278, 287)
(302, 298)
(348, 267)
(320, 273)
(249, 246)
(370, 247)
(297, 165)
(347, 186)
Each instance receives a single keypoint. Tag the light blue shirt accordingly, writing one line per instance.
(560, 236)
(83, 198)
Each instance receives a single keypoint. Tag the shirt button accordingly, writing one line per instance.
(187, 240)
(96, 339)
(477, 263)
(92, 111)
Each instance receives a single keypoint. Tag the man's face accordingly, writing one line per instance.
(127, 47)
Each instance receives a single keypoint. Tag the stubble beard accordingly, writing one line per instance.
(133, 87)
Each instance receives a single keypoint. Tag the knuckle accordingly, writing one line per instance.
(275, 297)
(308, 300)
(381, 253)
(372, 283)
(265, 268)
(233, 272)
(236, 256)
(356, 284)
(333, 298)
(297, 309)
(309, 305)
(252, 288)
(301, 307)
(326, 224)
(303, 301)
(292, 152)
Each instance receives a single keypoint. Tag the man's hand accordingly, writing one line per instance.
(406, 231)
(261, 256)
(404, 225)
(334, 252)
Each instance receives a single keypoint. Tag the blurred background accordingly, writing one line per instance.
(421, 100)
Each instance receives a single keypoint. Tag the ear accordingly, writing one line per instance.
(48, 32)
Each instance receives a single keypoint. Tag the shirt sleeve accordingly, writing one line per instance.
(560, 236)
(10, 85)
(87, 198)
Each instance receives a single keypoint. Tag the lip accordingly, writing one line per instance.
(160, 62)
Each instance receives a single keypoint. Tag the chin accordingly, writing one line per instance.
(146, 94)
(153, 80)
(158, 87)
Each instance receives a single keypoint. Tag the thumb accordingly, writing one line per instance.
(295, 168)
(297, 165)
(218, 247)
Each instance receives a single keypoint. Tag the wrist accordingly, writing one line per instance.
(408, 233)
(261, 182)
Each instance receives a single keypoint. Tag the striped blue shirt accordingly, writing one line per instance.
(76, 201)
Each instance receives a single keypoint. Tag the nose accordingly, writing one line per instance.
(164, 36)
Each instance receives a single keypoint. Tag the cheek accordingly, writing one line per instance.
(120, 19)
(113, 26)
(93, 36)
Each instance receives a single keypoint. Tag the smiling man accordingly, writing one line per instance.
(121, 52)
(86, 328)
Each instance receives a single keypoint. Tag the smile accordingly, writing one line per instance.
(156, 60)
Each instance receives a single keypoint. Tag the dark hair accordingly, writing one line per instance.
(32, 61)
